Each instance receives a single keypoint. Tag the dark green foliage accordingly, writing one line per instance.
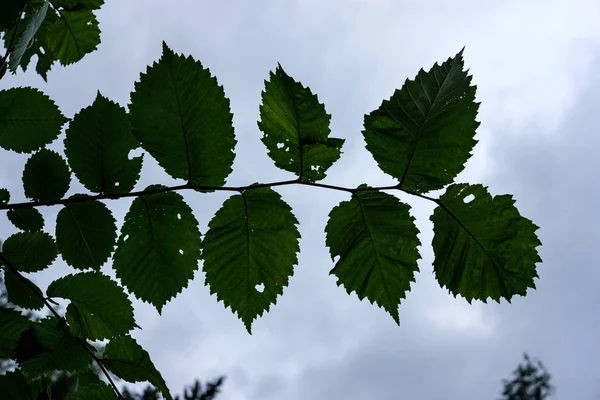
(99, 308)
(85, 234)
(26, 219)
(296, 128)
(14, 386)
(21, 292)
(423, 134)
(376, 239)
(32, 24)
(159, 247)
(12, 324)
(29, 251)
(250, 251)
(29, 120)
(97, 146)
(48, 346)
(531, 382)
(182, 118)
(46, 176)
(10, 13)
(483, 247)
(129, 361)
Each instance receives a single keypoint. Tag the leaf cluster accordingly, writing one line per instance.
(179, 115)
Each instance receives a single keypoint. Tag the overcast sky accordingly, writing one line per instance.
(536, 65)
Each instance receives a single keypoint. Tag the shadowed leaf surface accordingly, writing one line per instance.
(97, 146)
(252, 241)
(423, 135)
(159, 247)
(85, 234)
(296, 128)
(491, 252)
(182, 118)
(46, 176)
(29, 120)
(26, 219)
(376, 239)
(29, 251)
(99, 308)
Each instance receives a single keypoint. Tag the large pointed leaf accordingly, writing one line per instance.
(29, 251)
(29, 119)
(159, 247)
(26, 219)
(483, 247)
(85, 234)
(46, 176)
(182, 118)
(73, 35)
(34, 21)
(376, 239)
(97, 146)
(250, 250)
(99, 307)
(130, 362)
(22, 292)
(48, 346)
(12, 324)
(296, 128)
(424, 133)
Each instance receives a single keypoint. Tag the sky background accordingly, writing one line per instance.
(536, 65)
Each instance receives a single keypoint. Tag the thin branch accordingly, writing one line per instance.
(115, 196)
(83, 342)
(11, 44)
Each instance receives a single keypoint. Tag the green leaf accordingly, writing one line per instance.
(29, 251)
(252, 241)
(159, 247)
(46, 176)
(26, 219)
(14, 386)
(182, 118)
(99, 307)
(483, 247)
(22, 294)
(12, 324)
(88, 378)
(33, 24)
(98, 391)
(48, 346)
(130, 362)
(74, 35)
(29, 120)
(296, 128)
(376, 239)
(11, 10)
(4, 196)
(97, 146)
(85, 234)
(424, 133)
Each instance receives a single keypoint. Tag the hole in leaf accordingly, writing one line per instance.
(125, 238)
(135, 153)
(181, 251)
(469, 199)
(117, 184)
(279, 145)
(260, 288)
(178, 216)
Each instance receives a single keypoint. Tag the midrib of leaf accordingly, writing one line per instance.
(427, 116)
(365, 219)
(464, 227)
(69, 27)
(248, 286)
(292, 97)
(87, 246)
(183, 129)
(152, 236)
